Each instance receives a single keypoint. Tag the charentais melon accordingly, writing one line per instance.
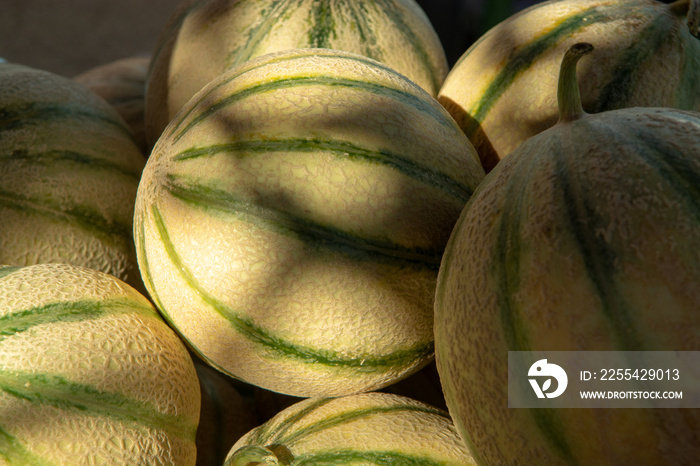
(90, 373)
(585, 238)
(204, 38)
(291, 220)
(70, 171)
(647, 55)
(364, 429)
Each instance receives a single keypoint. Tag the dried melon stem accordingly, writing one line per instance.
(256, 455)
(690, 8)
(568, 94)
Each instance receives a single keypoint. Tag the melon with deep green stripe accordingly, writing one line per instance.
(291, 219)
(90, 373)
(70, 170)
(648, 55)
(585, 238)
(364, 429)
(204, 38)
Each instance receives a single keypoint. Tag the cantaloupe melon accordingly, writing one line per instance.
(648, 54)
(364, 429)
(90, 373)
(585, 238)
(204, 38)
(291, 220)
(70, 170)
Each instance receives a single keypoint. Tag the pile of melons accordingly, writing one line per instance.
(295, 235)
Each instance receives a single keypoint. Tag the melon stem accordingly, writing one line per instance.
(255, 455)
(691, 8)
(568, 94)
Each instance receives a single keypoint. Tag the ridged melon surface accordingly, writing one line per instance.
(70, 170)
(585, 238)
(499, 91)
(364, 429)
(290, 222)
(204, 38)
(90, 373)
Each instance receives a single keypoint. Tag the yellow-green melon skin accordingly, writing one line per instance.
(290, 221)
(205, 38)
(363, 429)
(585, 238)
(499, 91)
(70, 171)
(90, 373)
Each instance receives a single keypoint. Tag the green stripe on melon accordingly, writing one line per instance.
(371, 428)
(60, 312)
(13, 452)
(41, 390)
(70, 173)
(526, 55)
(347, 149)
(344, 457)
(290, 432)
(598, 255)
(32, 114)
(8, 269)
(276, 345)
(314, 79)
(83, 217)
(310, 186)
(312, 234)
(498, 90)
(585, 238)
(87, 367)
(73, 159)
(187, 56)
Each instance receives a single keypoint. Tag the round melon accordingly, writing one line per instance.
(122, 83)
(70, 171)
(291, 220)
(648, 55)
(363, 429)
(90, 373)
(585, 238)
(205, 38)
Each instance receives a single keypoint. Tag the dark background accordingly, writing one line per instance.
(72, 36)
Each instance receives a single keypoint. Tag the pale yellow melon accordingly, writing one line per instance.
(205, 38)
(585, 238)
(291, 220)
(364, 429)
(70, 170)
(90, 373)
(648, 54)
